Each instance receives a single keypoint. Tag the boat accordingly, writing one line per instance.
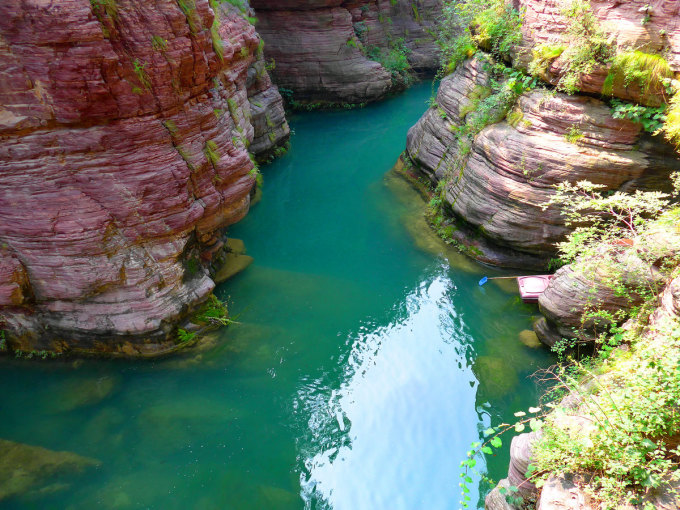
(531, 287)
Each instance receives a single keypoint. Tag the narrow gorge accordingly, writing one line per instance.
(245, 247)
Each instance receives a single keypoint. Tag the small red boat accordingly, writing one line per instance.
(531, 287)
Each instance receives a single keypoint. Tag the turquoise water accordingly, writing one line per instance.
(365, 358)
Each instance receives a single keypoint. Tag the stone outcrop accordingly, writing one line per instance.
(499, 188)
(322, 49)
(124, 128)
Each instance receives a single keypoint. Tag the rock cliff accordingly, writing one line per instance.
(125, 128)
(497, 185)
(337, 51)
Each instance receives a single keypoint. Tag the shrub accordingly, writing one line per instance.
(652, 119)
(490, 24)
(588, 47)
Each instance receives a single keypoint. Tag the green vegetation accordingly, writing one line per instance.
(574, 134)
(647, 71)
(672, 125)
(184, 336)
(109, 7)
(188, 7)
(492, 25)
(589, 47)
(543, 56)
(652, 119)
(394, 58)
(3, 341)
(213, 312)
(211, 152)
(142, 76)
(158, 43)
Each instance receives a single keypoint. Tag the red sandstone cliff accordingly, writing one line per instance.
(124, 128)
(499, 184)
(323, 49)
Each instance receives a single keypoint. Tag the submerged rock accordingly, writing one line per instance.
(529, 338)
(83, 392)
(498, 186)
(495, 377)
(24, 467)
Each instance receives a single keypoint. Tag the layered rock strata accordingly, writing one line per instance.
(649, 26)
(499, 184)
(325, 51)
(124, 128)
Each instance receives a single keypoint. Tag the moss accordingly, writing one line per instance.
(515, 117)
(672, 125)
(211, 153)
(543, 56)
(218, 46)
(109, 7)
(188, 7)
(646, 70)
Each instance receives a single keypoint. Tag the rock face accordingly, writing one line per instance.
(124, 129)
(321, 48)
(652, 27)
(498, 189)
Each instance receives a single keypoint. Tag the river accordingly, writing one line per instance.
(364, 360)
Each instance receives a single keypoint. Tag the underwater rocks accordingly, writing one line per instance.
(329, 52)
(24, 467)
(498, 184)
(124, 128)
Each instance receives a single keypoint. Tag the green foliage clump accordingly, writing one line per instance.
(109, 7)
(184, 336)
(652, 119)
(394, 58)
(213, 312)
(140, 71)
(542, 56)
(574, 134)
(489, 24)
(211, 152)
(601, 218)
(631, 409)
(646, 70)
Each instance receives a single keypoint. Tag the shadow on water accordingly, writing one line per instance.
(365, 359)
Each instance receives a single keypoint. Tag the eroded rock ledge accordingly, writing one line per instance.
(322, 48)
(125, 129)
(498, 186)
